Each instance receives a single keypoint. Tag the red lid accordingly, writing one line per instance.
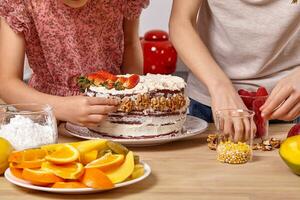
(156, 35)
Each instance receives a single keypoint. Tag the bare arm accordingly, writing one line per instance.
(78, 109)
(198, 59)
(12, 53)
(190, 46)
(133, 54)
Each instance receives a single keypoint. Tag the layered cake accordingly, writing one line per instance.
(150, 105)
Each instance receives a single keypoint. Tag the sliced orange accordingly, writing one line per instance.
(16, 171)
(90, 145)
(32, 158)
(95, 178)
(88, 157)
(138, 171)
(72, 184)
(107, 162)
(66, 153)
(71, 171)
(40, 177)
(51, 147)
(82, 147)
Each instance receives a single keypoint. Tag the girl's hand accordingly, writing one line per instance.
(226, 97)
(284, 100)
(85, 111)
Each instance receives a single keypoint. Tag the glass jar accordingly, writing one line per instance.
(28, 125)
(235, 136)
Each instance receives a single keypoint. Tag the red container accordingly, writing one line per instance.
(254, 103)
(160, 57)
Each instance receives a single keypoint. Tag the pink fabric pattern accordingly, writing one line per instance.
(64, 42)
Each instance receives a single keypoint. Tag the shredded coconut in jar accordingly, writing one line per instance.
(23, 133)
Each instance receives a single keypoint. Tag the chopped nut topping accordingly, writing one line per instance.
(161, 103)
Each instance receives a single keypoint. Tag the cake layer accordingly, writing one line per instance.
(147, 120)
(150, 126)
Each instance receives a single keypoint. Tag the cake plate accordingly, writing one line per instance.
(193, 126)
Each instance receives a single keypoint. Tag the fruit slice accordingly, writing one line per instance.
(132, 81)
(40, 177)
(117, 147)
(73, 184)
(247, 98)
(90, 145)
(124, 171)
(121, 80)
(16, 171)
(95, 178)
(290, 153)
(107, 162)
(50, 148)
(137, 172)
(260, 122)
(92, 77)
(109, 84)
(66, 153)
(89, 157)
(32, 158)
(295, 130)
(98, 81)
(106, 75)
(261, 91)
(244, 93)
(67, 171)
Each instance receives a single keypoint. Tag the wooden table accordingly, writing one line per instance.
(188, 170)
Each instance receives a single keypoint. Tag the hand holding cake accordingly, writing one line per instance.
(86, 111)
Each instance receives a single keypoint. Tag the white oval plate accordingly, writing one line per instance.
(22, 183)
(193, 126)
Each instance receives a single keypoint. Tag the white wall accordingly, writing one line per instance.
(156, 16)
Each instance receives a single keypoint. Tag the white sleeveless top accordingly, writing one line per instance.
(255, 42)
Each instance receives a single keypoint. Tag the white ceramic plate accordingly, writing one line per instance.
(192, 127)
(22, 183)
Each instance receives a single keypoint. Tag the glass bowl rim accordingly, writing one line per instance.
(43, 108)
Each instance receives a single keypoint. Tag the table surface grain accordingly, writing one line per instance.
(188, 170)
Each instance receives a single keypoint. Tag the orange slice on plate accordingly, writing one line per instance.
(107, 162)
(95, 178)
(65, 153)
(67, 185)
(90, 145)
(88, 157)
(83, 146)
(17, 172)
(40, 177)
(71, 171)
(32, 158)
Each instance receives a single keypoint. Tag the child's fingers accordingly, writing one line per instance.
(102, 101)
(97, 109)
(95, 119)
(285, 108)
(275, 101)
(239, 130)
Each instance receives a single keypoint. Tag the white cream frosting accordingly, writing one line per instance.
(148, 83)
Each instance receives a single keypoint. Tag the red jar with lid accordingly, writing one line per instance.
(160, 57)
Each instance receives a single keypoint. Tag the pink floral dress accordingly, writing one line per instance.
(64, 42)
